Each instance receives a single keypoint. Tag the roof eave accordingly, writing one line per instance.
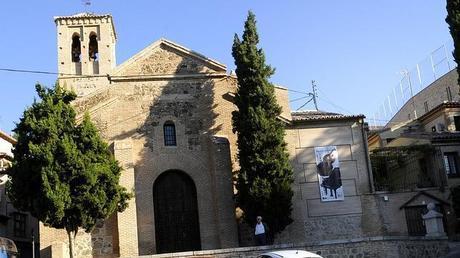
(328, 119)
(7, 137)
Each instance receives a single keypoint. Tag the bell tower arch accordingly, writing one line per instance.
(85, 44)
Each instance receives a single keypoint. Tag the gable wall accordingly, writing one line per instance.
(131, 113)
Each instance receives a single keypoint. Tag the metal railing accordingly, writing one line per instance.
(436, 64)
(404, 168)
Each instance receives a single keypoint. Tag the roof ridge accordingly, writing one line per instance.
(139, 55)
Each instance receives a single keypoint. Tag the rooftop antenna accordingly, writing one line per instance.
(86, 4)
(313, 95)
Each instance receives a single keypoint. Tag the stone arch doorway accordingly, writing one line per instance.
(176, 213)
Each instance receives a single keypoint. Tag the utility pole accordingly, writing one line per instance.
(314, 94)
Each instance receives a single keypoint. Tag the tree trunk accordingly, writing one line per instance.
(71, 240)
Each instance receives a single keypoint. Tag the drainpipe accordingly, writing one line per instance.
(33, 244)
(368, 162)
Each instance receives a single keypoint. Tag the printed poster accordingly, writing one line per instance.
(328, 170)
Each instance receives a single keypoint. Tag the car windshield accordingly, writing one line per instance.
(6, 254)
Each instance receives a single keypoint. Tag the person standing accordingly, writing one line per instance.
(261, 231)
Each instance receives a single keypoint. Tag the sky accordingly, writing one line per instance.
(354, 50)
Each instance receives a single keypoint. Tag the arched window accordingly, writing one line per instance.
(93, 51)
(76, 48)
(169, 133)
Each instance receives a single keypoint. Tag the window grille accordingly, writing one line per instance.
(450, 163)
(169, 131)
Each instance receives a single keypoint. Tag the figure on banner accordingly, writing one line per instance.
(330, 180)
(334, 180)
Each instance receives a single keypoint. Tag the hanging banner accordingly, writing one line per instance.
(329, 178)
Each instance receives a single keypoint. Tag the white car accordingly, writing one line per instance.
(289, 254)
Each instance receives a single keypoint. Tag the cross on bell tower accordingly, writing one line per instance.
(86, 4)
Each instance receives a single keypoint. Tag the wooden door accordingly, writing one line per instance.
(415, 224)
(176, 213)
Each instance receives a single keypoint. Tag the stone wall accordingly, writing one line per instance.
(433, 95)
(104, 241)
(55, 244)
(392, 214)
(339, 227)
(376, 247)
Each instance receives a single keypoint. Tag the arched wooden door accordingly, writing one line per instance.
(176, 213)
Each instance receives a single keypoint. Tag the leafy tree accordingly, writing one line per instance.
(265, 177)
(453, 19)
(63, 173)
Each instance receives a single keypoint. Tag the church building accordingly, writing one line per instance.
(166, 113)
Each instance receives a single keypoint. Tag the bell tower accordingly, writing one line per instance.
(85, 44)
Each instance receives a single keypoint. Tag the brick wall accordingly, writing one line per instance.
(132, 112)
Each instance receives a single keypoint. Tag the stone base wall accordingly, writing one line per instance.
(333, 227)
(104, 238)
(375, 247)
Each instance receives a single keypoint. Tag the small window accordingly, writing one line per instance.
(408, 116)
(450, 163)
(19, 224)
(425, 105)
(76, 48)
(449, 94)
(169, 131)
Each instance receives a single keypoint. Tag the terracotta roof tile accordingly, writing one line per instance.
(315, 115)
(80, 15)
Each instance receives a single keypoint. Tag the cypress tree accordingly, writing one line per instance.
(265, 175)
(453, 19)
(62, 172)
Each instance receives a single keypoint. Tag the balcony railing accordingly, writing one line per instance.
(404, 168)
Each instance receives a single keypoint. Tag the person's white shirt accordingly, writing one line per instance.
(260, 229)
